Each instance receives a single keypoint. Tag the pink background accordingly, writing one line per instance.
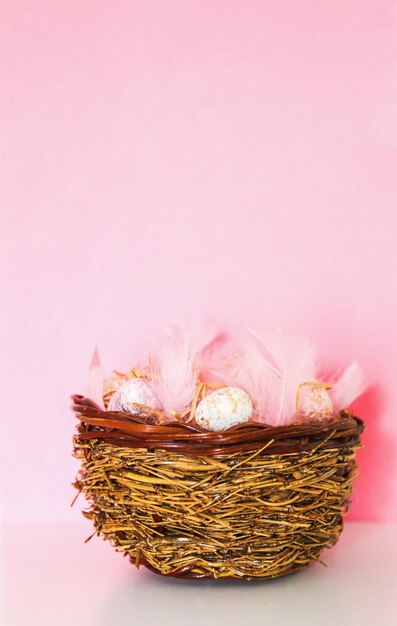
(233, 160)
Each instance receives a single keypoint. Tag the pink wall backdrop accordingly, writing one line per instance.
(160, 160)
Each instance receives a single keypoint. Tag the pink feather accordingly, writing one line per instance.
(214, 358)
(95, 380)
(351, 384)
(189, 354)
(270, 368)
(174, 372)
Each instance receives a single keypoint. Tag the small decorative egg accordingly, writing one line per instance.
(134, 391)
(111, 385)
(314, 402)
(224, 408)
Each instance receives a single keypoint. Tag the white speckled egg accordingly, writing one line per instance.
(134, 391)
(224, 408)
(314, 403)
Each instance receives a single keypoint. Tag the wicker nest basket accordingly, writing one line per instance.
(251, 502)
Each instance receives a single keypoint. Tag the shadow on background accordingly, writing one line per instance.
(377, 460)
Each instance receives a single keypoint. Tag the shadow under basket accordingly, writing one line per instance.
(252, 502)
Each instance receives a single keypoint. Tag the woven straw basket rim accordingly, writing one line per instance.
(129, 431)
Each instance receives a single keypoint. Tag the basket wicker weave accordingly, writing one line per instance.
(251, 502)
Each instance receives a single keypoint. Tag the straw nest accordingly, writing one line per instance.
(251, 502)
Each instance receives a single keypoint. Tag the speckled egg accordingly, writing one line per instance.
(224, 408)
(134, 391)
(314, 403)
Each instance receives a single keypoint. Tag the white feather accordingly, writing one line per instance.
(351, 384)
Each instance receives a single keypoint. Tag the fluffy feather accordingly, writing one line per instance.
(351, 384)
(95, 380)
(214, 358)
(173, 372)
(269, 368)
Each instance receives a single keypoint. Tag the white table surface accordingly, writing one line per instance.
(51, 578)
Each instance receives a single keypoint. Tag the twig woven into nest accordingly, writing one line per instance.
(251, 502)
